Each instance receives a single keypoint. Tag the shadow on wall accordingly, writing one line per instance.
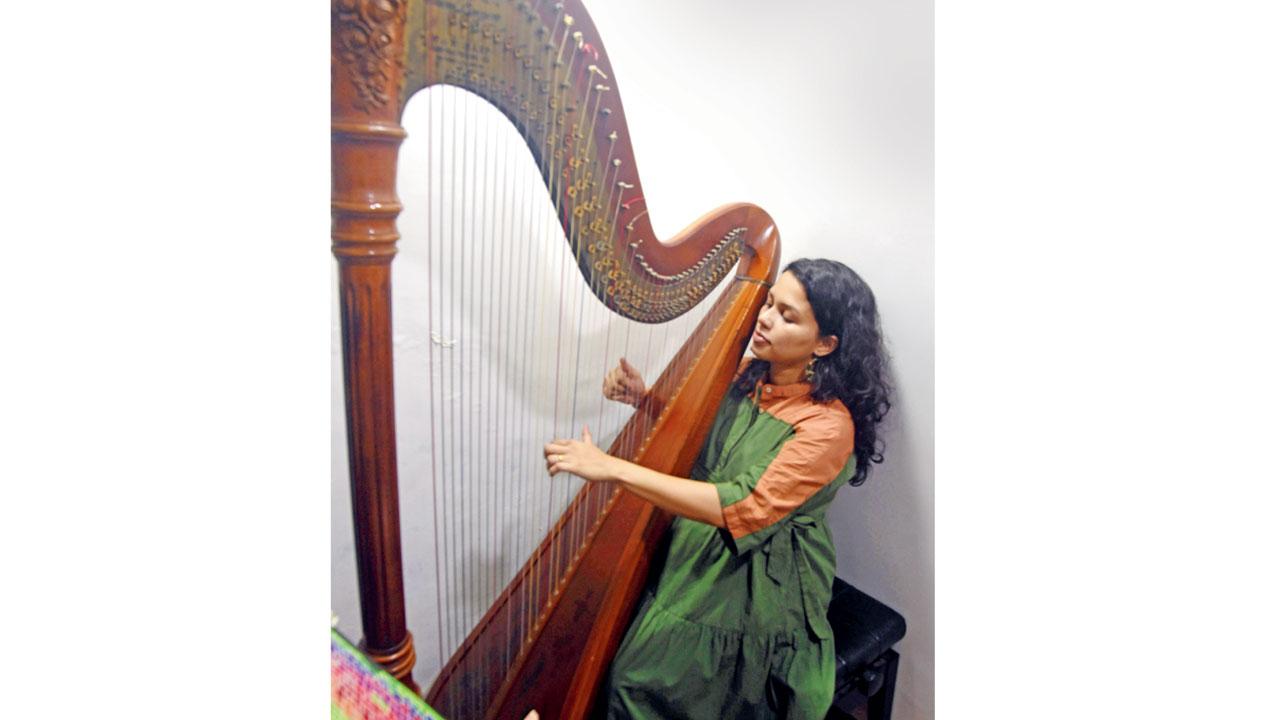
(883, 533)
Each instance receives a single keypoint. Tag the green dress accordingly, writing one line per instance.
(735, 625)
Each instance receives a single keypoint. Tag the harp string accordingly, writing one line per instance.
(579, 159)
(534, 214)
(466, 479)
(436, 268)
(557, 189)
(448, 146)
(521, 603)
(446, 325)
(497, 263)
(570, 429)
(485, 390)
(553, 184)
(586, 153)
(488, 260)
(431, 424)
(451, 350)
(458, 357)
(527, 215)
(543, 429)
(598, 491)
(470, 478)
(498, 312)
(532, 587)
(503, 411)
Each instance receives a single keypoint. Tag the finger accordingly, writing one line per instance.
(628, 368)
(586, 436)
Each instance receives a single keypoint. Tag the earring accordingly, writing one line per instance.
(809, 369)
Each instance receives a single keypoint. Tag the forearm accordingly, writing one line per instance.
(692, 499)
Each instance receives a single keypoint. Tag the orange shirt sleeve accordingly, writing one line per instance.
(815, 455)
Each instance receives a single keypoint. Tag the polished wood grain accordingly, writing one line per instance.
(366, 138)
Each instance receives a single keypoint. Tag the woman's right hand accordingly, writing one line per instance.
(624, 384)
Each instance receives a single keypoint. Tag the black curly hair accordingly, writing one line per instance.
(856, 371)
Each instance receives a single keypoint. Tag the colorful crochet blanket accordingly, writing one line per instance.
(361, 690)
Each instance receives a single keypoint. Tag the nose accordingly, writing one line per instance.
(765, 319)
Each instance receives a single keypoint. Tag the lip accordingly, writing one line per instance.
(756, 337)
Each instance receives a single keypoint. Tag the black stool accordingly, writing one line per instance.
(866, 663)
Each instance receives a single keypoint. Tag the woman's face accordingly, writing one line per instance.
(786, 332)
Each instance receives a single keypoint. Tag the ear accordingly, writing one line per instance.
(826, 345)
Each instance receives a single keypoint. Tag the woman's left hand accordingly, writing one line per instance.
(580, 457)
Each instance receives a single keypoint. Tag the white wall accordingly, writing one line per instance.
(822, 113)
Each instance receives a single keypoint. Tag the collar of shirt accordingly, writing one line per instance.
(769, 391)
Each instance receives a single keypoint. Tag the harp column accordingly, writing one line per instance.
(367, 79)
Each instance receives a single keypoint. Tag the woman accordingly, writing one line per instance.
(735, 625)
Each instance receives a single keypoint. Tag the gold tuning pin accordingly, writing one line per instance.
(595, 69)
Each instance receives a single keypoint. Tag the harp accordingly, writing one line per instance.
(548, 635)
